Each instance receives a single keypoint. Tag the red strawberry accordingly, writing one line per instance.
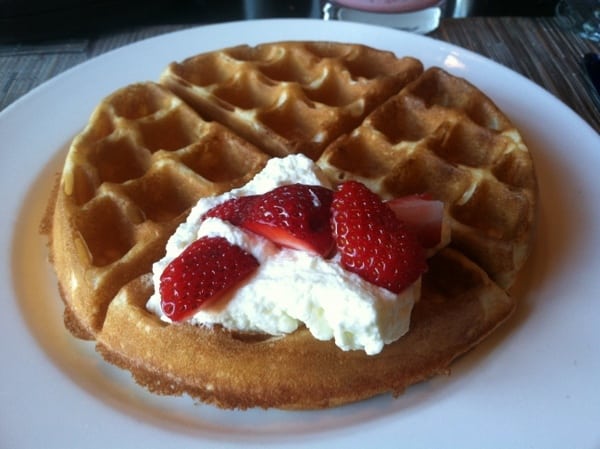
(296, 216)
(372, 242)
(424, 215)
(202, 272)
(233, 210)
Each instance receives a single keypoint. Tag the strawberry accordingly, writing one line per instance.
(424, 215)
(203, 272)
(296, 216)
(233, 210)
(372, 242)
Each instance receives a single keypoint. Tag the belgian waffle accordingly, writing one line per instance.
(128, 181)
(443, 136)
(290, 97)
(148, 153)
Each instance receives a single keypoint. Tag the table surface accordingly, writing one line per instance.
(537, 48)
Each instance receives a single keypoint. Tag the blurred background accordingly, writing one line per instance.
(31, 20)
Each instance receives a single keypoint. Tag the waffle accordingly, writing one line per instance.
(129, 179)
(291, 97)
(150, 151)
(443, 136)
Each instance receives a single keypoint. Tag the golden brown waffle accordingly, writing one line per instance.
(129, 179)
(458, 308)
(290, 97)
(443, 136)
(146, 157)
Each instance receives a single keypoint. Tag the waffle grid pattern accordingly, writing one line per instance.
(289, 98)
(130, 179)
(151, 150)
(443, 136)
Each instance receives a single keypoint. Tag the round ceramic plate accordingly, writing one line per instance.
(533, 384)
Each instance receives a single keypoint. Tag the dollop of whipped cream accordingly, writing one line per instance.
(291, 287)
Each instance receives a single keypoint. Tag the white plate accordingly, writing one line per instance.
(533, 384)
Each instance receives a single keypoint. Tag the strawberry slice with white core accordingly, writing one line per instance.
(425, 216)
(203, 272)
(295, 216)
(372, 242)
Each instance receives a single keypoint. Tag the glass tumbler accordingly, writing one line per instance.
(419, 16)
(581, 16)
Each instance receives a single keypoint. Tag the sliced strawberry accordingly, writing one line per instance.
(372, 242)
(296, 216)
(424, 215)
(201, 273)
(233, 210)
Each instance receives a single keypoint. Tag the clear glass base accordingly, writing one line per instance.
(583, 17)
(422, 21)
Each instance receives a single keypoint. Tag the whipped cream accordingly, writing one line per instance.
(290, 287)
